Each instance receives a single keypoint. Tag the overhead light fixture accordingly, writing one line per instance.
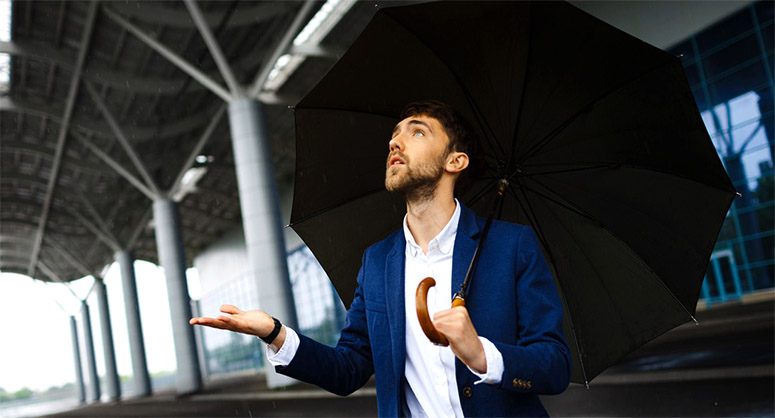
(5, 36)
(204, 159)
(315, 31)
(188, 182)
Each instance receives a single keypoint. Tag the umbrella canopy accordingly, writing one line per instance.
(596, 132)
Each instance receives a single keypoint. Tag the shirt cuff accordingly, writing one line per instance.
(285, 354)
(494, 361)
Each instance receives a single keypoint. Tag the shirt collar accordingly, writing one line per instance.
(445, 239)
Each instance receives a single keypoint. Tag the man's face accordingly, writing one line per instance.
(418, 150)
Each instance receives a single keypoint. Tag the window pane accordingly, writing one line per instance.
(725, 30)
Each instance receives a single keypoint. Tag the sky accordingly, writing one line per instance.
(35, 331)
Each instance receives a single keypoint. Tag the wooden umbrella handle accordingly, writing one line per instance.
(421, 301)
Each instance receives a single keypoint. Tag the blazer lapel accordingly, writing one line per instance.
(465, 244)
(396, 307)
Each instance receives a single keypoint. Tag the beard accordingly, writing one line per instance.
(416, 182)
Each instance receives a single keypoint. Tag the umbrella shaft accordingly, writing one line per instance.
(502, 185)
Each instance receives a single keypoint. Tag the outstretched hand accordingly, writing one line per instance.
(256, 322)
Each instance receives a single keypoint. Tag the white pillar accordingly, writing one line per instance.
(142, 382)
(112, 385)
(261, 220)
(169, 244)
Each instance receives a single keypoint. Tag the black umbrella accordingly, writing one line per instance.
(596, 132)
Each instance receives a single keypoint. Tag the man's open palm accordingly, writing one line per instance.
(257, 323)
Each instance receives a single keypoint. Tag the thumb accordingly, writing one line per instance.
(230, 309)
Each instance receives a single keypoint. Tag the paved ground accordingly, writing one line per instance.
(722, 367)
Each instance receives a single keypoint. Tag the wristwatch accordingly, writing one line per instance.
(272, 335)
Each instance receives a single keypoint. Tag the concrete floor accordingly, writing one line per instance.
(722, 367)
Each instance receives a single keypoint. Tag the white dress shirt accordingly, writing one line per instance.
(430, 370)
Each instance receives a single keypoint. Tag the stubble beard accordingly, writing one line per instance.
(416, 184)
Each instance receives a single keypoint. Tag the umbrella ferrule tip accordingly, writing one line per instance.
(502, 185)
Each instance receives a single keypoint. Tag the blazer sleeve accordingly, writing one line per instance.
(540, 362)
(341, 369)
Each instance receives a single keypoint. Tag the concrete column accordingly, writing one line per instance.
(196, 310)
(261, 220)
(142, 381)
(91, 359)
(77, 360)
(169, 244)
(112, 385)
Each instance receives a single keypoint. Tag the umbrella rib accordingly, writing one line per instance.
(522, 93)
(667, 230)
(566, 206)
(614, 236)
(539, 233)
(644, 265)
(617, 165)
(487, 187)
(569, 170)
(486, 128)
(561, 127)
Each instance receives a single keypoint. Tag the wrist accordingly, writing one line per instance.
(278, 342)
(275, 331)
(480, 360)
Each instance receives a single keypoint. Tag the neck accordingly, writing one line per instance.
(427, 215)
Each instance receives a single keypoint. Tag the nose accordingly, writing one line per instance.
(395, 143)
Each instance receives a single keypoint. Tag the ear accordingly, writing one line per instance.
(456, 162)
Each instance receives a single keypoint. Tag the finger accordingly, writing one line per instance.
(230, 309)
(224, 319)
(210, 322)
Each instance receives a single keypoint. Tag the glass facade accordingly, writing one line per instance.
(729, 66)
(319, 310)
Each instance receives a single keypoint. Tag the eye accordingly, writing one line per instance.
(418, 132)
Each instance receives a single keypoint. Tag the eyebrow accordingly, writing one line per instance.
(413, 122)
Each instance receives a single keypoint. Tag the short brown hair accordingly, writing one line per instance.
(457, 128)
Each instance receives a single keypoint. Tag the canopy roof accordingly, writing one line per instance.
(63, 210)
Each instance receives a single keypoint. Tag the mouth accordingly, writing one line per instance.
(395, 160)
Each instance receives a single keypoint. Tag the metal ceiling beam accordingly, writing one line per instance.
(14, 239)
(282, 46)
(171, 56)
(30, 226)
(122, 139)
(63, 129)
(53, 276)
(59, 249)
(215, 49)
(15, 253)
(173, 128)
(118, 168)
(27, 148)
(96, 72)
(157, 13)
(9, 261)
(141, 225)
(104, 237)
(99, 220)
(28, 180)
(198, 148)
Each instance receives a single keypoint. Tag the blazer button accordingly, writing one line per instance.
(468, 392)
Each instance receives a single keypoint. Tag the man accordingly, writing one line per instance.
(505, 347)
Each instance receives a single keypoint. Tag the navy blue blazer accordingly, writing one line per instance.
(512, 301)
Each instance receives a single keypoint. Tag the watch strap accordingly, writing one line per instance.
(272, 335)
